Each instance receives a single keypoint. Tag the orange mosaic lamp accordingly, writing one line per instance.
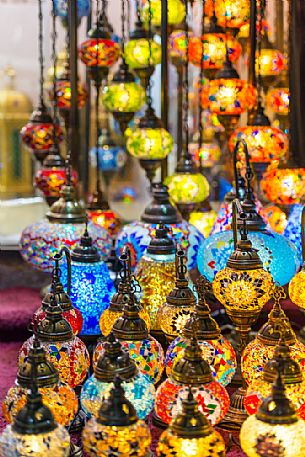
(232, 13)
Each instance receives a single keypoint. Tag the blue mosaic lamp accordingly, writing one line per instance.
(279, 255)
(91, 285)
(137, 235)
(293, 230)
(61, 8)
(115, 361)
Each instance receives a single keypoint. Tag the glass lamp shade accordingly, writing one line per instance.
(137, 236)
(177, 46)
(293, 228)
(215, 47)
(232, 13)
(279, 257)
(40, 136)
(277, 100)
(208, 155)
(111, 157)
(297, 289)
(110, 316)
(156, 277)
(284, 186)
(218, 353)
(213, 400)
(286, 440)
(41, 240)
(60, 399)
(185, 188)
(123, 97)
(265, 143)
(61, 8)
(149, 143)
(55, 443)
(70, 358)
(50, 181)
(63, 95)
(228, 96)
(107, 219)
(99, 52)
(138, 390)
(99, 439)
(139, 53)
(203, 221)
(277, 219)
(72, 315)
(153, 9)
(271, 62)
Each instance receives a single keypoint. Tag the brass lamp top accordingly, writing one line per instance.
(282, 362)
(54, 327)
(277, 409)
(201, 320)
(181, 294)
(117, 411)
(130, 326)
(67, 209)
(190, 423)
(161, 243)
(114, 361)
(37, 367)
(85, 251)
(191, 368)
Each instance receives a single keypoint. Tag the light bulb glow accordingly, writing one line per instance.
(232, 13)
(142, 53)
(153, 10)
(271, 62)
(123, 97)
(149, 144)
(187, 188)
(284, 186)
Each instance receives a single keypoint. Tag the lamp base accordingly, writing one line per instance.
(236, 414)
(157, 421)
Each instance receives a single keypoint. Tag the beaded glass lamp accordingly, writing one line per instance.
(275, 428)
(60, 398)
(34, 432)
(191, 370)
(260, 350)
(137, 235)
(116, 427)
(180, 302)
(91, 285)
(216, 349)
(155, 273)
(292, 377)
(66, 351)
(190, 433)
(113, 360)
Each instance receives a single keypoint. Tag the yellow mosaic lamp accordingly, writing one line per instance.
(190, 433)
(297, 283)
(152, 10)
(275, 428)
(180, 302)
(232, 13)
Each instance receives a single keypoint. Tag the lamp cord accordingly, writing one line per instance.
(262, 5)
(54, 60)
(40, 49)
(98, 86)
(185, 85)
(201, 76)
(123, 27)
(149, 85)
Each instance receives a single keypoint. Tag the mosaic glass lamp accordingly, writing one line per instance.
(91, 285)
(61, 8)
(126, 287)
(137, 235)
(191, 370)
(203, 219)
(277, 219)
(278, 97)
(296, 285)
(131, 330)
(293, 228)
(115, 361)
(66, 351)
(177, 47)
(292, 376)
(180, 302)
(63, 226)
(232, 13)
(260, 350)
(190, 433)
(152, 10)
(208, 155)
(34, 432)
(275, 427)
(155, 273)
(112, 156)
(60, 398)
(116, 427)
(216, 349)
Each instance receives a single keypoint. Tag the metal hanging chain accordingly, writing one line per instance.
(201, 76)
(262, 6)
(40, 49)
(185, 86)
(97, 99)
(54, 60)
(123, 26)
(149, 85)
(138, 10)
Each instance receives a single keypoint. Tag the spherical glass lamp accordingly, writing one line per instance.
(63, 93)
(190, 433)
(180, 302)
(186, 188)
(63, 226)
(203, 220)
(34, 432)
(208, 155)
(152, 11)
(293, 228)
(60, 398)
(191, 370)
(111, 155)
(116, 427)
(260, 350)
(137, 235)
(292, 377)
(61, 8)
(114, 361)
(232, 13)
(278, 100)
(277, 218)
(177, 46)
(38, 133)
(155, 273)
(91, 285)
(275, 427)
(66, 351)
(133, 334)
(216, 349)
